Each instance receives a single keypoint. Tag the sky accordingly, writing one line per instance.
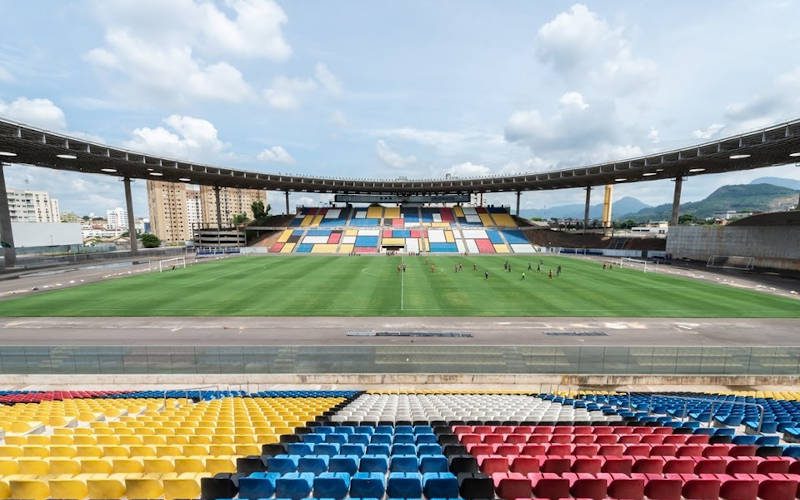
(383, 89)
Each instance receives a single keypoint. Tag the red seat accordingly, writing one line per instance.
(654, 438)
(774, 465)
(621, 429)
(777, 489)
(512, 485)
(493, 438)
(582, 429)
(503, 429)
(587, 465)
(676, 439)
(491, 464)
(480, 449)
(533, 450)
(622, 465)
(662, 430)
(462, 429)
(539, 438)
(742, 450)
(551, 487)
(561, 438)
(603, 429)
(701, 489)
(638, 450)
(631, 489)
(689, 450)
(506, 449)
(653, 465)
(643, 430)
(739, 489)
(524, 465)
(516, 439)
(663, 450)
(679, 466)
(470, 439)
(523, 429)
(663, 488)
(482, 429)
(794, 467)
(606, 439)
(611, 450)
(631, 438)
(559, 450)
(562, 429)
(585, 450)
(556, 465)
(716, 450)
(745, 465)
(697, 439)
(543, 429)
(583, 438)
(589, 488)
(711, 466)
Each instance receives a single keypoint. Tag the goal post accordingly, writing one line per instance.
(632, 263)
(168, 264)
(731, 262)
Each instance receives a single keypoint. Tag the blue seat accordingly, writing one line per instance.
(404, 449)
(792, 451)
(353, 449)
(324, 429)
(378, 449)
(440, 485)
(294, 485)
(373, 463)
(404, 485)
(313, 438)
(426, 438)
(336, 438)
(423, 429)
(359, 439)
(332, 485)
(346, 429)
(300, 449)
(429, 449)
(329, 449)
(403, 439)
(364, 429)
(404, 429)
(343, 463)
(768, 440)
(315, 464)
(433, 463)
(726, 431)
(384, 429)
(404, 463)
(367, 485)
(381, 439)
(282, 464)
(744, 439)
(258, 485)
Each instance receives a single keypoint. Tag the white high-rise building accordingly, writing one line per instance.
(32, 206)
(194, 207)
(117, 218)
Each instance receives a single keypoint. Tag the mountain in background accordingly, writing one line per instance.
(741, 198)
(624, 205)
(778, 181)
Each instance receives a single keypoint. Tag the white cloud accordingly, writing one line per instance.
(5, 75)
(184, 138)
(579, 44)
(709, 132)
(654, 136)
(392, 158)
(327, 79)
(287, 93)
(276, 154)
(467, 169)
(38, 112)
(168, 72)
(533, 164)
(775, 103)
(439, 138)
(573, 100)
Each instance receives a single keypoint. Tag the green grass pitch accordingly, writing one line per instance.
(372, 286)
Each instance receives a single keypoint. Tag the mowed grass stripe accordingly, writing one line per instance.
(370, 286)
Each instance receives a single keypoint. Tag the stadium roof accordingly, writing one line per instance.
(774, 145)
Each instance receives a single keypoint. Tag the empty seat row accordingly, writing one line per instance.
(638, 450)
(353, 463)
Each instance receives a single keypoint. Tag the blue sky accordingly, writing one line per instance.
(396, 89)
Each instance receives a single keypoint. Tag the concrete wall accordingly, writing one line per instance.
(45, 234)
(776, 247)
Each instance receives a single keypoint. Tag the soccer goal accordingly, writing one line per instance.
(173, 263)
(730, 262)
(629, 262)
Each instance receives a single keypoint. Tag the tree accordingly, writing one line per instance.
(259, 212)
(239, 219)
(687, 219)
(150, 240)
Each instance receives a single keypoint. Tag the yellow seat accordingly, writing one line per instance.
(96, 466)
(38, 439)
(158, 465)
(220, 449)
(35, 466)
(168, 451)
(5, 490)
(88, 451)
(181, 488)
(8, 466)
(220, 464)
(60, 466)
(109, 487)
(10, 451)
(71, 489)
(185, 464)
(143, 451)
(63, 451)
(143, 488)
(29, 489)
(106, 440)
(247, 449)
(127, 465)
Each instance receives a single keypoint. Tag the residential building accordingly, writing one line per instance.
(194, 208)
(168, 213)
(32, 206)
(117, 218)
(232, 201)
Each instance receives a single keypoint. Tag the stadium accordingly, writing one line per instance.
(405, 339)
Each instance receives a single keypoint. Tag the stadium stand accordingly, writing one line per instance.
(340, 444)
(443, 230)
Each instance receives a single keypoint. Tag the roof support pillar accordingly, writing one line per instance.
(131, 223)
(286, 195)
(6, 235)
(586, 209)
(517, 211)
(219, 208)
(676, 201)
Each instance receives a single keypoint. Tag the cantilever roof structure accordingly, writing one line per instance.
(775, 145)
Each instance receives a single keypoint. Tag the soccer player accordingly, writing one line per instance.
(486, 275)
(550, 274)
(558, 270)
(523, 275)
(530, 268)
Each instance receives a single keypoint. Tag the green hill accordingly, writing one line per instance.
(740, 197)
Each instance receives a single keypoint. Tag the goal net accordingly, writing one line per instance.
(639, 264)
(730, 262)
(170, 264)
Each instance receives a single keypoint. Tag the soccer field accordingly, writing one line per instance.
(372, 286)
